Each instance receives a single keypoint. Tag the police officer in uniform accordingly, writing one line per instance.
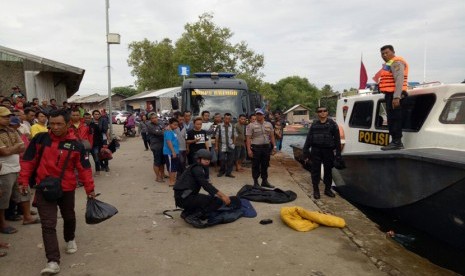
(324, 140)
(259, 136)
(187, 188)
(393, 83)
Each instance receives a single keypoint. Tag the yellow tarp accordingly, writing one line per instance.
(303, 220)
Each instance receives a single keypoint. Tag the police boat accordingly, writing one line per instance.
(422, 184)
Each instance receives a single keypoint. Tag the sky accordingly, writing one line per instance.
(323, 41)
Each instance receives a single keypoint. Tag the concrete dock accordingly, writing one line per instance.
(140, 240)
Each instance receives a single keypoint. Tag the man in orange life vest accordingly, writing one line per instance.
(393, 83)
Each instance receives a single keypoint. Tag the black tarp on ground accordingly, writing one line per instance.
(260, 194)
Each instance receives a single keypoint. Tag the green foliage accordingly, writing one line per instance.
(329, 99)
(350, 92)
(290, 91)
(152, 64)
(204, 46)
(127, 91)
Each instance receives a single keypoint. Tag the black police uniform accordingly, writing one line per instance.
(187, 196)
(323, 139)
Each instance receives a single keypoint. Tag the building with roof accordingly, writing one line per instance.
(37, 77)
(297, 114)
(159, 99)
(99, 102)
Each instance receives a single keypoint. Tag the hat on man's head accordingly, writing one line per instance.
(4, 111)
(15, 121)
(259, 111)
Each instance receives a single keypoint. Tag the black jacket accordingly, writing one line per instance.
(323, 135)
(194, 178)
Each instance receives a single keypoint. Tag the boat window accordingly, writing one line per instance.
(454, 111)
(362, 114)
(381, 115)
(415, 110)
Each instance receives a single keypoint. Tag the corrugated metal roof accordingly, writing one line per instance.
(93, 98)
(30, 62)
(294, 107)
(165, 92)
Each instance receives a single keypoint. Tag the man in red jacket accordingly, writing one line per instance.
(56, 144)
(80, 128)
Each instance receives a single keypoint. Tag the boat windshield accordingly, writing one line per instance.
(216, 101)
(454, 111)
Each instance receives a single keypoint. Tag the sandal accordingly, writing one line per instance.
(4, 245)
(8, 230)
(34, 221)
(3, 254)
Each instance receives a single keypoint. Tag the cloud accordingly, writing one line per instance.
(320, 40)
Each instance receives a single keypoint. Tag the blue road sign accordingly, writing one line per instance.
(184, 70)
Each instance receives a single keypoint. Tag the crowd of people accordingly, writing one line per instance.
(175, 140)
(39, 142)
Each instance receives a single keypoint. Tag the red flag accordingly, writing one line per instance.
(363, 77)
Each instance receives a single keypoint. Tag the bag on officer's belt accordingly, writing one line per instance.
(98, 211)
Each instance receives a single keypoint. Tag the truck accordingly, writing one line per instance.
(218, 93)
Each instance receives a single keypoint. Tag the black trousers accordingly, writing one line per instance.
(199, 202)
(146, 140)
(227, 162)
(260, 161)
(323, 156)
(394, 117)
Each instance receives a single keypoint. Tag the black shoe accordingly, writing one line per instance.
(393, 146)
(230, 175)
(255, 184)
(220, 174)
(266, 184)
(195, 220)
(316, 195)
(107, 169)
(329, 193)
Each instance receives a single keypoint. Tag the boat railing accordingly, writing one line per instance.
(427, 84)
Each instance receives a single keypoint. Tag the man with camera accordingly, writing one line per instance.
(53, 156)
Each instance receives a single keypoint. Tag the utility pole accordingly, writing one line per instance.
(111, 39)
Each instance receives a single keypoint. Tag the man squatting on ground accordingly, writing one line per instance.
(187, 188)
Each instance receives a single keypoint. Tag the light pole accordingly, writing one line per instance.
(111, 39)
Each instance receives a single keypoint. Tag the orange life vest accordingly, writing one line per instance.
(387, 83)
